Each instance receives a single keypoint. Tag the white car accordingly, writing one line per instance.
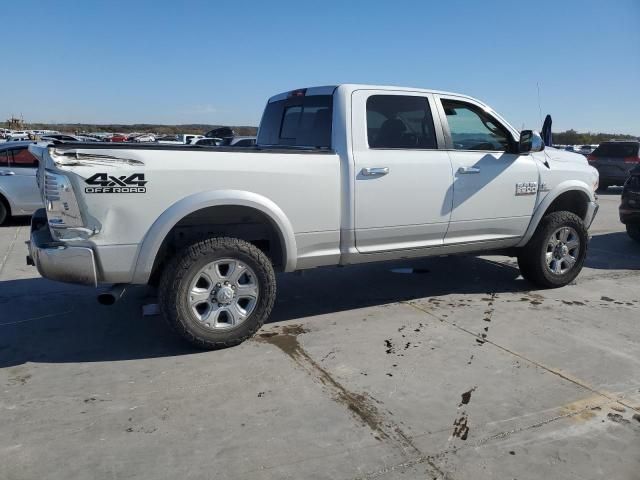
(145, 137)
(18, 136)
(341, 175)
(19, 194)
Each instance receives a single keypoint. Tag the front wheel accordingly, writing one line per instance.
(633, 230)
(217, 292)
(555, 254)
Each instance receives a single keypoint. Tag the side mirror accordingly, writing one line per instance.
(530, 141)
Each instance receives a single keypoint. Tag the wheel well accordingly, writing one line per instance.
(234, 221)
(573, 201)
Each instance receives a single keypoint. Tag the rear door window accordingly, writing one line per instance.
(303, 121)
(22, 158)
(617, 150)
(400, 121)
(4, 159)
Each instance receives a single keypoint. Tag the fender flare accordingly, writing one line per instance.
(158, 231)
(563, 187)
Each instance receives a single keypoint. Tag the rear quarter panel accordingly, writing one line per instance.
(305, 187)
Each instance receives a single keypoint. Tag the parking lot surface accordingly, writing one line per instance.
(449, 367)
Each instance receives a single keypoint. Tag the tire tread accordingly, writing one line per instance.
(176, 270)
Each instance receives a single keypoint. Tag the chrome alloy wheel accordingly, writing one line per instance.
(223, 294)
(563, 248)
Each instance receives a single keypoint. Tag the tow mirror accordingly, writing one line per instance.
(530, 141)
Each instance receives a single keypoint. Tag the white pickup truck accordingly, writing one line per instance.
(340, 175)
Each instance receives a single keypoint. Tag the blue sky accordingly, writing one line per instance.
(218, 62)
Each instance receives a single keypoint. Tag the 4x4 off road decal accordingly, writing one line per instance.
(104, 183)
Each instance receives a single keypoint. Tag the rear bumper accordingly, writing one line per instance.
(57, 261)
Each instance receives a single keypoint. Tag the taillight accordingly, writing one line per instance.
(631, 159)
(591, 158)
(61, 205)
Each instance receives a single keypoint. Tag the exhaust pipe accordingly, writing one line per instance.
(112, 295)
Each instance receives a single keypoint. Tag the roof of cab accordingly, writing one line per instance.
(350, 87)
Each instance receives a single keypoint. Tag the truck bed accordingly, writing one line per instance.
(163, 146)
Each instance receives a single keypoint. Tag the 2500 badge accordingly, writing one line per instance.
(104, 183)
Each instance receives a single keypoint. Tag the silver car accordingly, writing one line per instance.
(19, 194)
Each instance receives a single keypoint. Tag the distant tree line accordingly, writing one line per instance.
(136, 127)
(571, 137)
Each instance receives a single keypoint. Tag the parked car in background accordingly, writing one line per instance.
(208, 142)
(226, 142)
(19, 194)
(169, 140)
(570, 148)
(242, 142)
(63, 137)
(145, 137)
(18, 136)
(189, 139)
(118, 137)
(630, 204)
(221, 132)
(586, 149)
(614, 161)
(86, 138)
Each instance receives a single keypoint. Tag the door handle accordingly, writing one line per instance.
(463, 170)
(6, 173)
(373, 171)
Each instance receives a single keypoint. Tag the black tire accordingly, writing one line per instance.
(602, 187)
(180, 272)
(532, 257)
(4, 213)
(633, 230)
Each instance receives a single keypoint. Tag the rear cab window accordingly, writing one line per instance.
(302, 119)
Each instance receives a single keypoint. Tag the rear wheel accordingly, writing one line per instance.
(555, 254)
(217, 292)
(603, 186)
(633, 230)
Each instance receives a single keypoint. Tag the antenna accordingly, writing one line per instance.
(539, 107)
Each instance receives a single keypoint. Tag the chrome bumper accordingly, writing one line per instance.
(57, 261)
(592, 210)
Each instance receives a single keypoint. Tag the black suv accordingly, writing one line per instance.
(630, 204)
(614, 161)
